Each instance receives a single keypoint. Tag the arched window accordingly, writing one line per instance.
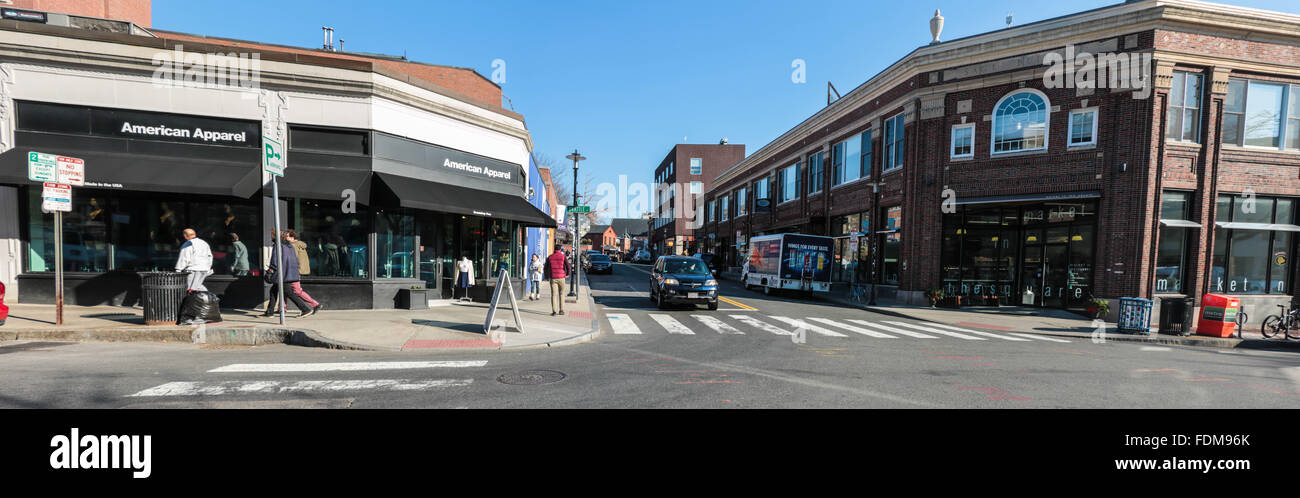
(1020, 122)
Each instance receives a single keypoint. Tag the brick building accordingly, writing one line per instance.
(967, 165)
(681, 179)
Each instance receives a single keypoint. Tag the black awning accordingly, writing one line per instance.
(420, 194)
(241, 177)
(323, 183)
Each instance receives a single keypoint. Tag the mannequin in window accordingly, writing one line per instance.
(464, 276)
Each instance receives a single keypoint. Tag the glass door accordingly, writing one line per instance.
(1031, 272)
(1056, 275)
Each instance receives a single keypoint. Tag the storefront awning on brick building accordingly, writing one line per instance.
(1274, 227)
(434, 196)
(1180, 223)
(1053, 196)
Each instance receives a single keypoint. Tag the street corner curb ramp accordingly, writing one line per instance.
(215, 335)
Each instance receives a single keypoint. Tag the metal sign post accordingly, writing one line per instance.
(57, 174)
(273, 161)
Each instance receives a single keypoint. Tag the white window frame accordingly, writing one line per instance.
(816, 187)
(724, 206)
(1069, 129)
(708, 211)
(780, 180)
(952, 141)
(1047, 123)
(1200, 111)
(697, 166)
(742, 202)
(895, 126)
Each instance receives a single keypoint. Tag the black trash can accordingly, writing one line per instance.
(161, 293)
(1176, 315)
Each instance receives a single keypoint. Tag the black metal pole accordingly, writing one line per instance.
(573, 288)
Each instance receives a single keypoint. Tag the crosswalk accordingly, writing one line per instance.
(221, 385)
(754, 323)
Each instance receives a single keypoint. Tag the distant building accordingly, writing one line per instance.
(682, 178)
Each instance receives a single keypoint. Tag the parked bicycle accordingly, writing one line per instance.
(1286, 323)
(859, 293)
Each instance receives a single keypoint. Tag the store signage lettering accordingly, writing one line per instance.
(199, 133)
(481, 170)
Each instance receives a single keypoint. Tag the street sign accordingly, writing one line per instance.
(56, 197)
(579, 209)
(71, 170)
(42, 167)
(272, 157)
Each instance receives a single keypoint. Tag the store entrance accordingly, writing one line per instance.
(1045, 275)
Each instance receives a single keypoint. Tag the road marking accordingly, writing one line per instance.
(735, 303)
(622, 324)
(939, 331)
(1039, 337)
(760, 325)
(895, 330)
(717, 325)
(976, 332)
(344, 367)
(673, 326)
(273, 386)
(800, 324)
(852, 328)
(1154, 348)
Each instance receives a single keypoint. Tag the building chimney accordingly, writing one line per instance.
(328, 33)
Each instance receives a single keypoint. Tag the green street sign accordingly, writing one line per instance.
(42, 167)
(272, 157)
(579, 209)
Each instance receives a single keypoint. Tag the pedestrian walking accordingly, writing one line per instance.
(557, 269)
(304, 268)
(464, 276)
(535, 274)
(196, 259)
(291, 276)
(239, 267)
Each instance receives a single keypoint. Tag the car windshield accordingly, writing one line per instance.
(686, 266)
(600, 258)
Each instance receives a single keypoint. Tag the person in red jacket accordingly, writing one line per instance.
(557, 269)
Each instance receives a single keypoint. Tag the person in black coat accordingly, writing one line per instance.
(290, 275)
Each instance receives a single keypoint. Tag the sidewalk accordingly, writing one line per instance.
(1047, 321)
(445, 325)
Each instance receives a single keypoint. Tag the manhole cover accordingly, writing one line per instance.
(531, 377)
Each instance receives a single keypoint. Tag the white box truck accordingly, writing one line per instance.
(789, 261)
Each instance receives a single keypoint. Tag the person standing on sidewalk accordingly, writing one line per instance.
(535, 273)
(557, 269)
(196, 259)
(240, 266)
(304, 268)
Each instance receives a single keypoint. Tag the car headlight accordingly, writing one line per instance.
(710, 282)
(670, 281)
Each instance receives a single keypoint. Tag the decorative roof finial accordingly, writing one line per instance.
(936, 26)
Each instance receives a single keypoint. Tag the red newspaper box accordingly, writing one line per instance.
(1218, 315)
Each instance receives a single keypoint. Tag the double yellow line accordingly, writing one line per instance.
(736, 303)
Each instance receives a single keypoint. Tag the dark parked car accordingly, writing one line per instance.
(682, 280)
(599, 263)
(709, 259)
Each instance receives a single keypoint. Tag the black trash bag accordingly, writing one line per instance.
(200, 307)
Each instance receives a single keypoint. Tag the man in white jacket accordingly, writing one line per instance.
(195, 258)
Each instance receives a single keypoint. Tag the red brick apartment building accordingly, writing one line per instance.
(959, 168)
(687, 172)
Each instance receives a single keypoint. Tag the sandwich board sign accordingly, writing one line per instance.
(503, 282)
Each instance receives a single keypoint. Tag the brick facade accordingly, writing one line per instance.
(675, 169)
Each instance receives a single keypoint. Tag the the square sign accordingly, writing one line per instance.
(72, 171)
(272, 157)
(42, 167)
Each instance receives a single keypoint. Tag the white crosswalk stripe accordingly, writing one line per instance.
(622, 324)
(343, 367)
(933, 330)
(717, 325)
(673, 326)
(1039, 337)
(976, 332)
(302, 386)
(800, 324)
(895, 330)
(760, 325)
(852, 328)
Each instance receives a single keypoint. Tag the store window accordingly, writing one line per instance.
(816, 173)
(1083, 127)
(1254, 242)
(1171, 255)
(337, 242)
(395, 244)
(788, 182)
(893, 143)
(963, 140)
(106, 232)
(1183, 121)
(1020, 122)
(891, 245)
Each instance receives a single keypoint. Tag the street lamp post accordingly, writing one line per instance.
(575, 156)
(875, 226)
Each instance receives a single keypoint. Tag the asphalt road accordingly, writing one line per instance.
(755, 351)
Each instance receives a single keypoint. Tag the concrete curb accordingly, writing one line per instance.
(578, 339)
(203, 334)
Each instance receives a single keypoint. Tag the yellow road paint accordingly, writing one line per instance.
(736, 304)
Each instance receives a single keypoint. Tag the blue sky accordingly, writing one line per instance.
(624, 81)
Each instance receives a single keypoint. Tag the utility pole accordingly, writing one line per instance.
(575, 156)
